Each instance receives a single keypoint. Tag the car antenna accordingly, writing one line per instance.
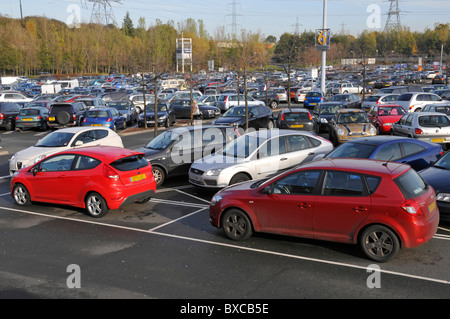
(385, 164)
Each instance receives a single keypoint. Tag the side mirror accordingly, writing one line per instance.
(35, 170)
(267, 190)
(78, 143)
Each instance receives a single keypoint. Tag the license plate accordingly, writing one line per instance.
(431, 207)
(139, 177)
(51, 118)
(96, 125)
(313, 103)
(437, 140)
(297, 126)
(27, 119)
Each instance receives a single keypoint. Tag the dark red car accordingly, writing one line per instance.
(96, 178)
(383, 116)
(380, 206)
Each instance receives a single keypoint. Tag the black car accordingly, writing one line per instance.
(259, 116)
(182, 110)
(295, 119)
(8, 113)
(323, 113)
(66, 114)
(438, 176)
(173, 151)
(166, 117)
(440, 108)
(269, 97)
(127, 109)
(348, 99)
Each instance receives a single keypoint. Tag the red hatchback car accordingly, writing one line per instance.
(382, 206)
(96, 178)
(383, 116)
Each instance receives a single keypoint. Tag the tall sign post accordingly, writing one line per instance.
(184, 53)
(323, 37)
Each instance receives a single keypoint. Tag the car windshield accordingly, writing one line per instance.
(119, 106)
(161, 108)
(162, 141)
(353, 117)
(242, 147)
(97, 113)
(356, 150)
(55, 139)
(340, 98)
(434, 121)
(329, 109)
(391, 111)
(300, 116)
(235, 111)
(443, 162)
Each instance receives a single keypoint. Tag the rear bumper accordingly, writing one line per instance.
(144, 196)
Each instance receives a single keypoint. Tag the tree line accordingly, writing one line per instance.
(39, 44)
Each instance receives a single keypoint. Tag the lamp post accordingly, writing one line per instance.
(324, 52)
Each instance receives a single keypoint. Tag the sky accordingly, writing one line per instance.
(267, 17)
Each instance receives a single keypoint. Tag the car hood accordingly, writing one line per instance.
(150, 153)
(437, 177)
(390, 118)
(29, 154)
(356, 127)
(228, 120)
(216, 161)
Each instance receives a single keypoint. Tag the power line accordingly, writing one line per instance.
(393, 18)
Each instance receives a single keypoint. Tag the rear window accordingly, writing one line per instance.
(372, 98)
(411, 184)
(434, 121)
(130, 163)
(97, 113)
(296, 116)
(313, 94)
(405, 97)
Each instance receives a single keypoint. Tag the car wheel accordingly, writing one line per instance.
(124, 124)
(274, 104)
(159, 175)
(115, 127)
(9, 125)
(63, 118)
(236, 225)
(418, 109)
(238, 178)
(96, 205)
(21, 195)
(379, 243)
(270, 125)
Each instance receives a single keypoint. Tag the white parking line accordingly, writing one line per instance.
(268, 252)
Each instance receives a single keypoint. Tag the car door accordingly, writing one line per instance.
(51, 181)
(343, 204)
(182, 154)
(289, 205)
(299, 150)
(270, 157)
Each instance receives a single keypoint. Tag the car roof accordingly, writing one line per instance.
(380, 139)
(350, 111)
(296, 109)
(358, 165)
(108, 152)
(274, 133)
(76, 129)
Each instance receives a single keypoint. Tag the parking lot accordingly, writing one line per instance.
(166, 248)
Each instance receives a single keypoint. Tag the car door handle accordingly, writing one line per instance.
(312, 153)
(283, 159)
(360, 209)
(304, 205)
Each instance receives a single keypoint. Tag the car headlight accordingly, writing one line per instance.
(37, 159)
(163, 117)
(443, 197)
(213, 172)
(323, 120)
(216, 199)
(13, 157)
(340, 131)
(372, 131)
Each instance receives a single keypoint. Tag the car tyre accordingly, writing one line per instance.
(21, 195)
(274, 105)
(270, 125)
(9, 125)
(379, 243)
(159, 175)
(238, 178)
(63, 118)
(236, 225)
(96, 205)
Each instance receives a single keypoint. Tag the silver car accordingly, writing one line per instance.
(257, 155)
(378, 99)
(425, 126)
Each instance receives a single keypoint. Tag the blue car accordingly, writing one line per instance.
(105, 117)
(438, 176)
(312, 98)
(389, 148)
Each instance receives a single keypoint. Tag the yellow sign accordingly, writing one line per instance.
(323, 39)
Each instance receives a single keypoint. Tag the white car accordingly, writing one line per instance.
(257, 155)
(300, 95)
(9, 96)
(414, 102)
(61, 140)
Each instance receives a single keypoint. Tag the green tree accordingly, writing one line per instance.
(127, 25)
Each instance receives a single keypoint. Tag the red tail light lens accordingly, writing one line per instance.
(282, 117)
(2, 116)
(110, 173)
(418, 131)
(109, 119)
(412, 208)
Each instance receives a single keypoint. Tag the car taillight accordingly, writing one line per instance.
(2, 116)
(310, 117)
(17, 118)
(412, 208)
(282, 117)
(74, 117)
(110, 173)
(85, 120)
(411, 107)
(418, 131)
(39, 117)
(109, 119)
